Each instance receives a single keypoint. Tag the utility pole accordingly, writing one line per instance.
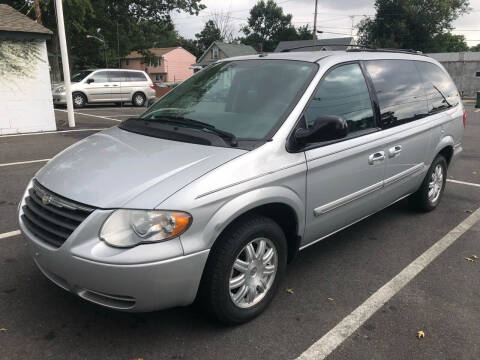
(38, 11)
(118, 48)
(315, 27)
(352, 17)
(66, 65)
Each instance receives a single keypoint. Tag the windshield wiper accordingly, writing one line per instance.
(180, 120)
(441, 94)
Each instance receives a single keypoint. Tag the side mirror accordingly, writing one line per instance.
(89, 81)
(324, 128)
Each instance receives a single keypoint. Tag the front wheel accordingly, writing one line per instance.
(430, 193)
(244, 270)
(79, 100)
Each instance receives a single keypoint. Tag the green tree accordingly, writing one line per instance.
(411, 24)
(475, 48)
(304, 33)
(123, 24)
(448, 42)
(209, 34)
(267, 25)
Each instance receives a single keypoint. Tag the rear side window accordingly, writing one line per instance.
(440, 90)
(116, 76)
(344, 92)
(135, 76)
(399, 90)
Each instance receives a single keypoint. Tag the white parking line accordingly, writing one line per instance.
(111, 108)
(96, 116)
(24, 162)
(336, 336)
(463, 183)
(10, 234)
(127, 115)
(52, 132)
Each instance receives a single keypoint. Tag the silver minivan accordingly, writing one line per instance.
(106, 86)
(214, 189)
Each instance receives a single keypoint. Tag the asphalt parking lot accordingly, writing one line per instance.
(330, 281)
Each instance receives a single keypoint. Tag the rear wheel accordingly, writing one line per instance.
(79, 100)
(244, 270)
(430, 193)
(139, 100)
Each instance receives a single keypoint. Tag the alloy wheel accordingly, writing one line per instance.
(253, 272)
(436, 184)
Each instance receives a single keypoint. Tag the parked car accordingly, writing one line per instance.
(107, 86)
(209, 197)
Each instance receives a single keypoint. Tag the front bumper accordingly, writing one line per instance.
(124, 279)
(59, 99)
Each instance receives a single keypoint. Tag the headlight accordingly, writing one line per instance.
(60, 89)
(127, 228)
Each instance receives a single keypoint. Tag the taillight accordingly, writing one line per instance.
(152, 87)
(464, 118)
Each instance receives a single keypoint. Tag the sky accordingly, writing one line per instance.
(334, 16)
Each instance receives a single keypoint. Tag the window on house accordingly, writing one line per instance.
(158, 77)
(159, 62)
(477, 74)
(215, 53)
(127, 62)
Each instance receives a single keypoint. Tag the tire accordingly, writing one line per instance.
(79, 100)
(139, 99)
(431, 191)
(215, 293)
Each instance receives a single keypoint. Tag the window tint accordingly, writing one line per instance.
(116, 76)
(344, 92)
(135, 76)
(399, 90)
(439, 88)
(100, 77)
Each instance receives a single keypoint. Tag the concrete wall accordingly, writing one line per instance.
(462, 67)
(26, 103)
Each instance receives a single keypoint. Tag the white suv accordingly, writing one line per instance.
(107, 85)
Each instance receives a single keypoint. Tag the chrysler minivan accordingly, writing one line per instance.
(214, 189)
(107, 86)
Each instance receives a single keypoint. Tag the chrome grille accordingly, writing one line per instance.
(51, 217)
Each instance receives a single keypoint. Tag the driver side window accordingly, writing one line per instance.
(344, 92)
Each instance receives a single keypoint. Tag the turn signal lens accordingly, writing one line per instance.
(464, 118)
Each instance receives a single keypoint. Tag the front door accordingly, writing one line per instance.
(99, 89)
(343, 178)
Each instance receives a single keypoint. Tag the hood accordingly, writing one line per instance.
(116, 168)
(57, 85)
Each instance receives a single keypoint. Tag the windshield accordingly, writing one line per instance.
(79, 76)
(248, 98)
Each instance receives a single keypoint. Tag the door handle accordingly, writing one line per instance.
(115, 85)
(378, 156)
(106, 85)
(394, 151)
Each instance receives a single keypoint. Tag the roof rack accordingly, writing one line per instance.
(321, 46)
(358, 48)
(373, 49)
